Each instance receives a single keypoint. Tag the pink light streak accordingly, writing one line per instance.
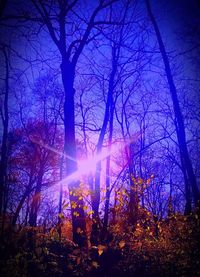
(88, 165)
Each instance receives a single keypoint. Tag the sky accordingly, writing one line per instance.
(173, 18)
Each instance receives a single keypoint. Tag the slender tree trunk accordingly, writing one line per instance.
(180, 128)
(104, 126)
(188, 203)
(5, 120)
(106, 211)
(36, 200)
(170, 203)
(142, 145)
(77, 212)
(21, 202)
(107, 201)
(35, 207)
(134, 198)
(96, 195)
(26, 194)
(60, 197)
(96, 199)
(27, 210)
(95, 233)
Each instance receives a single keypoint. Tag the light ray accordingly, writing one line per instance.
(84, 166)
(52, 149)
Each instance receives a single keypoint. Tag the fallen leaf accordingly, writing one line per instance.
(122, 244)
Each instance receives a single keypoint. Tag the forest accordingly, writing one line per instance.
(99, 138)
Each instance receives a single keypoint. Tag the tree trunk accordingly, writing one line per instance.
(27, 210)
(190, 178)
(21, 202)
(5, 120)
(60, 198)
(107, 201)
(77, 212)
(35, 207)
(36, 200)
(134, 198)
(96, 197)
(106, 211)
(27, 193)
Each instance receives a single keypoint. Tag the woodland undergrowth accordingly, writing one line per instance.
(168, 247)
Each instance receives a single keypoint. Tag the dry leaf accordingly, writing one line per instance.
(101, 249)
(122, 244)
(95, 264)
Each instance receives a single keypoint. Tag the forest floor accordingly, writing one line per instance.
(173, 249)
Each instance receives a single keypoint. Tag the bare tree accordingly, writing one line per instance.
(188, 172)
(70, 53)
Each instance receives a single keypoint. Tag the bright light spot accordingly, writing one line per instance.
(86, 167)
(89, 165)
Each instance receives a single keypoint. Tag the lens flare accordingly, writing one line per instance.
(88, 165)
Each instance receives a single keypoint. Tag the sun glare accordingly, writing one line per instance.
(88, 165)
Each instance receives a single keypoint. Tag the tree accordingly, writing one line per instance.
(32, 166)
(70, 53)
(4, 150)
(188, 172)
